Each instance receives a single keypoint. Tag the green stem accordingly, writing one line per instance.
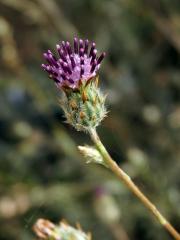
(131, 185)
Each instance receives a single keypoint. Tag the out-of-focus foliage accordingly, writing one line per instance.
(41, 172)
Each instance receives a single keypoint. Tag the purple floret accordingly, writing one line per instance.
(73, 64)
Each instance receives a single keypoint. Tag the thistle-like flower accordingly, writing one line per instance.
(75, 72)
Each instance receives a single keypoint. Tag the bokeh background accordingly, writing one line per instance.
(41, 171)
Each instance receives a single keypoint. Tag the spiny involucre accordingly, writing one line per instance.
(75, 72)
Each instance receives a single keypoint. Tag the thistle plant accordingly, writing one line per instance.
(75, 72)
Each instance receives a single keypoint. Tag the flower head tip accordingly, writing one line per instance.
(74, 64)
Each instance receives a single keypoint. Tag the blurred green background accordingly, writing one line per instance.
(41, 172)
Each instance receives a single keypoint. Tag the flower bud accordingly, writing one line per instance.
(91, 154)
(48, 231)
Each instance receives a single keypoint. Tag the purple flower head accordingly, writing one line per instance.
(74, 64)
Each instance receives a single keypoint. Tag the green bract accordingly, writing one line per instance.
(84, 107)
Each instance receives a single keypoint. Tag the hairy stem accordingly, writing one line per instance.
(131, 185)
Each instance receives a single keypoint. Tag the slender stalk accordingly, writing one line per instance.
(131, 185)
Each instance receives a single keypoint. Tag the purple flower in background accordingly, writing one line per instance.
(74, 65)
